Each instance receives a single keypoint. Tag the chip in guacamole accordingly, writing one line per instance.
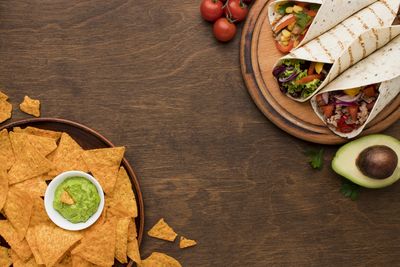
(86, 199)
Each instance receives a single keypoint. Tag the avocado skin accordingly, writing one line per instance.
(344, 162)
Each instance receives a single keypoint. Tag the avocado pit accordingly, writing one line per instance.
(378, 162)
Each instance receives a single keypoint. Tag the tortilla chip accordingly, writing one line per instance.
(78, 261)
(66, 261)
(43, 145)
(18, 262)
(35, 187)
(123, 204)
(39, 215)
(7, 158)
(132, 234)
(121, 240)
(3, 188)
(133, 251)
(3, 96)
(32, 242)
(104, 165)
(97, 225)
(18, 210)
(162, 231)
(29, 162)
(5, 110)
(157, 259)
(186, 243)
(53, 242)
(68, 156)
(30, 106)
(11, 236)
(98, 247)
(5, 260)
(66, 198)
(39, 132)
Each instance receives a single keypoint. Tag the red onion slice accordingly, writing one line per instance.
(347, 98)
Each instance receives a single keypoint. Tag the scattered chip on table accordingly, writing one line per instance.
(3, 188)
(67, 156)
(29, 162)
(121, 240)
(39, 132)
(18, 210)
(123, 202)
(30, 106)
(104, 164)
(7, 158)
(11, 236)
(162, 230)
(53, 242)
(5, 110)
(34, 187)
(186, 243)
(98, 247)
(5, 259)
(3, 96)
(157, 259)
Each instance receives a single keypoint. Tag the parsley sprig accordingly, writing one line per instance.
(350, 190)
(316, 158)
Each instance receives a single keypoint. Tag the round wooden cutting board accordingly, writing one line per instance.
(258, 55)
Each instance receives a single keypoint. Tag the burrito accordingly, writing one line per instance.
(358, 95)
(297, 22)
(307, 69)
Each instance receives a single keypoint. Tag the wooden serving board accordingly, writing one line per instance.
(258, 55)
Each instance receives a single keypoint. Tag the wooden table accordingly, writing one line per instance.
(148, 74)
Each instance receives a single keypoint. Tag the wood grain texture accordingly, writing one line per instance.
(149, 75)
(258, 56)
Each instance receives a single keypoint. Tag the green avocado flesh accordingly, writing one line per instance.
(85, 196)
(345, 159)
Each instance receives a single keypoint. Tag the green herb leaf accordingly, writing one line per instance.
(314, 7)
(350, 190)
(282, 8)
(316, 158)
(302, 19)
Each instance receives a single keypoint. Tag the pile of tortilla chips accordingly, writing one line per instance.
(28, 158)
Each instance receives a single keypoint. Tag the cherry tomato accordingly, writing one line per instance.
(309, 78)
(236, 10)
(224, 30)
(211, 10)
(284, 49)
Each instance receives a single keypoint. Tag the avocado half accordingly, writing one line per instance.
(347, 158)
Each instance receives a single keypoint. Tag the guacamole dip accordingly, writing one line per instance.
(76, 199)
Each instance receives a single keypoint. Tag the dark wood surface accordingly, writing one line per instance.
(149, 75)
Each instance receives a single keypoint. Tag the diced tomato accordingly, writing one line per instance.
(284, 49)
(343, 127)
(301, 4)
(311, 13)
(328, 110)
(369, 91)
(371, 105)
(311, 69)
(309, 78)
(284, 22)
(353, 110)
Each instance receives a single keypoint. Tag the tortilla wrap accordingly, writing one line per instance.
(341, 45)
(329, 14)
(383, 66)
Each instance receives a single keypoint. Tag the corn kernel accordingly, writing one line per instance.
(297, 9)
(284, 38)
(296, 43)
(318, 67)
(285, 43)
(352, 92)
(291, 26)
(286, 33)
(289, 10)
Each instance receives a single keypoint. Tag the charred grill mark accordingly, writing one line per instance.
(380, 21)
(340, 43)
(349, 31)
(362, 43)
(375, 33)
(388, 7)
(351, 56)
(325, 49)
(365, 26)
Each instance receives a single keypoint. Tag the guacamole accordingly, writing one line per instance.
(83, 196)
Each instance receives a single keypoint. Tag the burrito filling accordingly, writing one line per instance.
(292, 22)
(300, 78)
(347, 110)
